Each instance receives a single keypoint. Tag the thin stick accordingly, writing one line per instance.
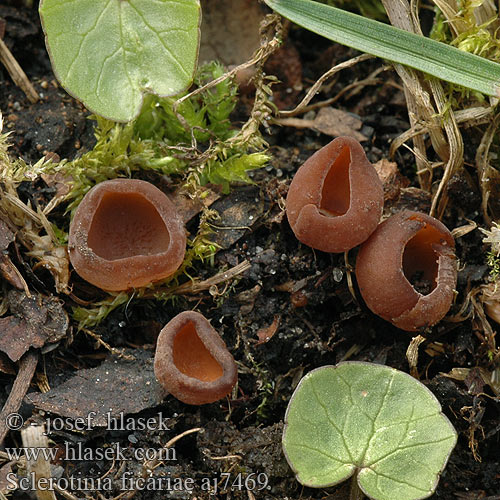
(193, 287)
(16, 73)
(21, 385)
(354, 86)
(317, 85)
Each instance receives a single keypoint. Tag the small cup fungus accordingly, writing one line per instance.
(126, 233)
(407, 272)
(192, 362)
(335, 199)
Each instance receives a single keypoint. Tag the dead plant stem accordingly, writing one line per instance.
(17, 74)
(21, 385)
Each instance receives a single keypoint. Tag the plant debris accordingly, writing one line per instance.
(35, 322)
(119, 386)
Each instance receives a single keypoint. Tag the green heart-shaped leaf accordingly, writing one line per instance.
(109, 53)
(370, 419)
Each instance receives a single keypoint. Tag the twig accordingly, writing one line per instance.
(262, 53)
(417, 96)
(112, 350)
(214, 280)
(193, 287)
(317, 85)
(17, 74)
(483, 167)
(355, 87)
(455, 144)
(26, 371)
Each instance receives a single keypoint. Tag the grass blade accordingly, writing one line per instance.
(385, 41)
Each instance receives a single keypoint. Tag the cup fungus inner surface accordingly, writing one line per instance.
(192, 358)
(335, 194)
(420, 260)
(125, 225)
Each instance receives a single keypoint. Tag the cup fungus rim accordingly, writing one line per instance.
(185, 318)
(215, 345)
(404, 305)
(96, 195)
(365, 206)
(147, 267)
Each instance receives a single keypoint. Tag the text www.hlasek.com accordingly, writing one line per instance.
(79, 453)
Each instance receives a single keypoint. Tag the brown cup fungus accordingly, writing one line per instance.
(192, 361)
(126, 233)
(407, 272)
(335, 200)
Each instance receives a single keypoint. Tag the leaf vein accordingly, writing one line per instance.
(84, 37)
(333, 424)
(321, 452)
(409, 446)
(165, 46)
(406, 483)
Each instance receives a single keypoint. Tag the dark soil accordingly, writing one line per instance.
(304, 292)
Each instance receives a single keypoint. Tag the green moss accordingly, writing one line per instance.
(194, 145)
(493, 262)
(492, 238)
(198, 138)
(476, 37)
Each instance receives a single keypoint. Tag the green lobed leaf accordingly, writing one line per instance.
(382, 40)
(109, 53)
(370, 419)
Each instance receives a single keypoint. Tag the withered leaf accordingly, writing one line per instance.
(266, 334)
(335, 122)
(117, 387)
(239, 39)
(35, 321)
(329, 121)
(187, 207)
(6, 235)
(238, 212)
(391, 178)
(9, 272)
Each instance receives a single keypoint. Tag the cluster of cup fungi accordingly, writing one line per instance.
(126, 233)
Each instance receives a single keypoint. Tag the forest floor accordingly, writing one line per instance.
(291, 311)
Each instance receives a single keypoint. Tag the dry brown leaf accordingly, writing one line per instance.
(6, 235)
(5, 473)
(329, 121)
(229, 30)
(10, 273)
(238, 212)
(474, 378)
(335, 122)
(392, 180)
(188, 207)
(35, 321)
(117, 387)
(6, 365)
(266, 334)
